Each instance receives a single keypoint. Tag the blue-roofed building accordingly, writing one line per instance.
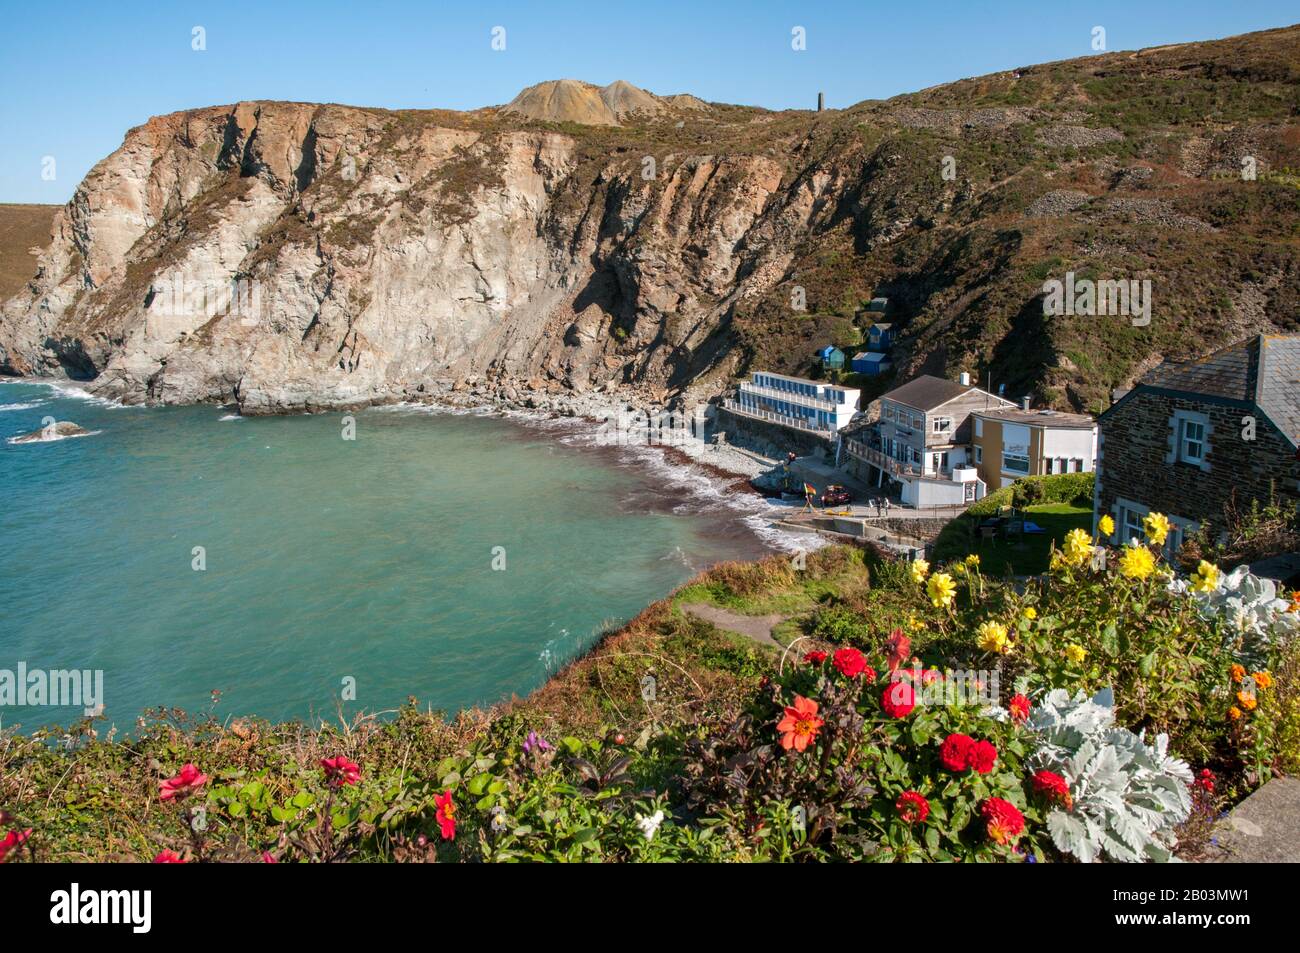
(832, 358)
(871, 363)
(880, 337)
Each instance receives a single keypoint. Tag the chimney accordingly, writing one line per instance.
(1024, 402)
(965, 379)
(821, 101)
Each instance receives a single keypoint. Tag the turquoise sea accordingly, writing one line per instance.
(328, 559)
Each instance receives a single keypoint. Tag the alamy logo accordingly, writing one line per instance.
(1092, 298)
(103, 906)
(63, 688)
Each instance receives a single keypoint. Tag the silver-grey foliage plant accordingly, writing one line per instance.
(1128, 796)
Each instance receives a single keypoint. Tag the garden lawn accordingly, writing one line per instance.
(1029, 554)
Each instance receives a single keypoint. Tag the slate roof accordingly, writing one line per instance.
(927, 392)
(1263, 370)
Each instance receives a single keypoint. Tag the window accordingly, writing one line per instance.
(1189, 439)
(1191, 442)
(1015, 463)
(979, 427)
(918, 422)
(979, 454)
(941, 424)
(1047, 465)
(1077, 465)
(1130, 525)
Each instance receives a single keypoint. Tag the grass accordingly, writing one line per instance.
(1028, 554)
(22, 227)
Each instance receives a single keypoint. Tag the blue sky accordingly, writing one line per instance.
(77, 75)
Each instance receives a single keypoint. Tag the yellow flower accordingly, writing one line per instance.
(1238, 672)
(1246, 700)
(1262, 679)
(973, 559)
(1137, 562)
(1156, 527)
(1075, 653)
(942, 589)
(1234, 713)
(1106, 525)
(1206, 577)
(1078, 546)
(1031, 613)
(919, 570)
(993, 638)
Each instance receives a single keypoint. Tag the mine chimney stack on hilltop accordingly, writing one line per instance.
(821, 101)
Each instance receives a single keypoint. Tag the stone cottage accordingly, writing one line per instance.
(1188, 436)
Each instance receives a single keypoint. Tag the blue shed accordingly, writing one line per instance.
(870, 363)
(880, 337)
(831, 357)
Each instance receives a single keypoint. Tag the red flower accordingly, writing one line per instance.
(981, 757)
(815, 657)
(1019, 707)
(268, 857)
(1002, 820)
(912, 807)
(800, 724)
(168, 857)
(851, 663)
(12, 841)
(899, 699)
(446, 815)
(187, 782)
(898, 647)
(1052, 787)
(955, 752)
(1205, 780)
(339, 771)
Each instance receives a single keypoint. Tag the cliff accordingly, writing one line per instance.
(586, 237)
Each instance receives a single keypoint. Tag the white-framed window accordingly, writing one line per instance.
(1128, 526)
(941, 424)
(1076, 465)
(1047, 466)
(1189, 439)
(979, 427)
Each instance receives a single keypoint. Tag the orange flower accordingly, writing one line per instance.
(800, 724)
(1262, 679)
(1238, 672)
(1234, 713)
(1295, 602)
(1247, 700)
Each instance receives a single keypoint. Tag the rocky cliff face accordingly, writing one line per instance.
(658, 248)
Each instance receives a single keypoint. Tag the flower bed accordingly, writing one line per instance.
(921, 713)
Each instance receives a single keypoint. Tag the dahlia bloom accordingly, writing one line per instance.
(800, 725)
(941, 589)
(993, 637)
(1019, 707)
(339, 771)
(1002, 820)
(188, 781)
(899, 699)
(1156, 526)
(955, 752)
(1137, 562)
(1052, 787)
(851, 663)
(912, 807)
(446, 815)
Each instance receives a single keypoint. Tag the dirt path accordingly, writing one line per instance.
(757, 627)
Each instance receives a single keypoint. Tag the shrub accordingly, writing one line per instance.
(1125, 796)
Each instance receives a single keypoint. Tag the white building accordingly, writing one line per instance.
(796, 402)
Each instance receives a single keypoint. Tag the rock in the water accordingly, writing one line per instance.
(61, 428)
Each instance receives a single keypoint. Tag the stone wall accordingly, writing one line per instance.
(1136, 443)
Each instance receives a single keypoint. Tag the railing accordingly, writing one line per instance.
(876, 458)
(789, 396)
(784, 420)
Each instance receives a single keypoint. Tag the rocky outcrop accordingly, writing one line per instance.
(287, 256)
(55, 431)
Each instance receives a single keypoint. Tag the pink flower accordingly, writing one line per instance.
(339, 771)
(446, 815)
(898, 647)
(268, 857)
(12, 841)
(168, 857)
(187, 782)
